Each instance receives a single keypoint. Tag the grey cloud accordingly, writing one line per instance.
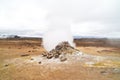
(92, 17)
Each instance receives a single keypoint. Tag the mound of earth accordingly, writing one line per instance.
(60, 51)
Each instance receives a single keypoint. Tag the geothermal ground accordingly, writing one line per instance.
(97, 59)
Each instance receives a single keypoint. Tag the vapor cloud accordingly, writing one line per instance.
(58, 31)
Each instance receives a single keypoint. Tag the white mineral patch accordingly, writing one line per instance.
(45, 60)
(90, 63)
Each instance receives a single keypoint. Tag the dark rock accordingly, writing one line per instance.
(6, 65)
(31, 59)
(58, 47)
(56, 55)
(49, 56)
(104, 72)
(29, 51)
(39, 62)
(23, 55)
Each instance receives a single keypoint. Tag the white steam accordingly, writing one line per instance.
(59, 31)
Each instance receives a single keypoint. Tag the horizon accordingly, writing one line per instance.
(37, 34)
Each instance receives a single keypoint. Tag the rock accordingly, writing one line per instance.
(34, 48)
(29, 51)
(31, 59)
(19, 48)
(58, 47)
(56, 55)
(6, 65)
(23, 55)
(98, 51)
(62, 58)
(104, 72)
(39, 62)
(44, 54)
(49, 56)
(63, 47)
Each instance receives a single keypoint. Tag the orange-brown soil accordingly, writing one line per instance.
(12, 49)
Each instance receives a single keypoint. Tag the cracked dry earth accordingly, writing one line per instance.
(27, 63)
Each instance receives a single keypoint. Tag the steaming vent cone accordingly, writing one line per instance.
(62, 48)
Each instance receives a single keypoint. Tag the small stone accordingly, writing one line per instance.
(58, 47)
(34, 48)
(39, 62)
(62, 58)
(6, 65)
(56, 55)
(98, 51)
(49, 56)
(103, 72)
(19, 48)
(29, 51)
(31, 59)
(23, 55)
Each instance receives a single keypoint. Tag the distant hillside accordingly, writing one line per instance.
(99, 42)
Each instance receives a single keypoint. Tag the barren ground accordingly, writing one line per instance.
(19, 60)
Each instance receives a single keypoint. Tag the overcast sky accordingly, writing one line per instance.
(85, 17)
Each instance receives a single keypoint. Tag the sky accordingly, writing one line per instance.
(85, 17)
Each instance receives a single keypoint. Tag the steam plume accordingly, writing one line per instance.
(58, 31)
